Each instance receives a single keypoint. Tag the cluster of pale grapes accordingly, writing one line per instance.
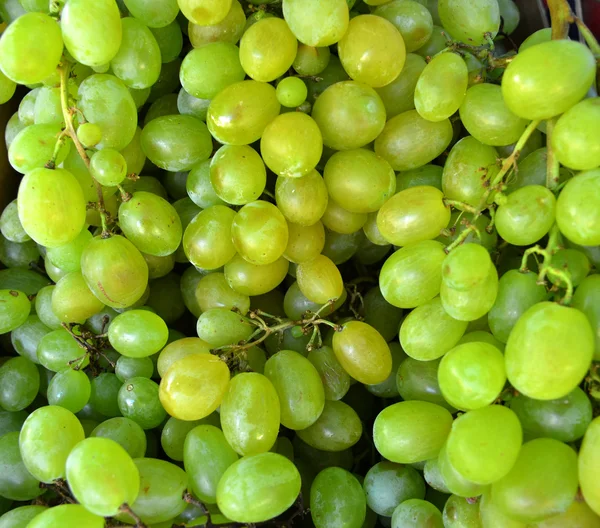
(299, 263)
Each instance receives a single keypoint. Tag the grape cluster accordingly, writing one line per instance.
(299, 263)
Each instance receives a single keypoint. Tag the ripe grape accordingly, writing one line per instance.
(412, 19)
(33, 147)
(414, 513)
(70, 389)
(469, 22)
(153, 14)
(16, 483)
(334, 378)
(230, 29)
(304, 243)
(205, 12)
(291, 91)
(14, 309)
(586, 300)
(66, 515)
(169, 39)
(588, 463)
(127, 433)
(316, 23)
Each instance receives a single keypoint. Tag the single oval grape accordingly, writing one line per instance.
(16, 483)
(398, 96)
(108, 167)
(335, 380)
(14, 310)
(205, 12)
(418, 380)
(138, 400)
(70, 389)
(127, 433)
(66, 515)
(320, 280)
(291, 91)
(588, 461)
(411, 19)
(316, 23)
(470, 22)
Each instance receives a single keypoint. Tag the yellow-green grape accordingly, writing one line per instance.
(341, 247)
(230, 29)
(251, 279)
(539, 362)
(411, 431)
(30, 49)
(239, 114)
(291, 92)
(311, 60)
(159, 266)
(466, 267)
(220, 327)
(409, 141)
(362, 352)
(108, 166)
(413, 275)
(133, 153)
(179, 394)
(179, 349)
(205, 12)
(199, 187)
(214, 291)
(154, 14)
(414, 513)
(48, 108)
(70, 389)
(15, 310)
(335, 380)
(342, 221)
(589, 461)
(304, 242)
(360, 180)
(302, 200)
(317, 23)
(258, 488)
(411, 19)
(268, 49)
(441, 87)
(389, 388)
(115, 271)
(207, 239)
(350, 115)
(20, 380)
(66, 515)
(299, 387)
(237, 174)
(320, 280)
(46, 439)
(472, 303)
(577, 514)
(23, 515)
(137, 333)
(51, 206)
(470, 22)
(291, 144)
(33, 147)
(11, 227)
(7, 88)
(169, 39)
(259, 232)
(72, 300)
(250, 414)
(398, 96)
(372, 50)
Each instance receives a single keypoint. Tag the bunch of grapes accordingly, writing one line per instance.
(299, 263)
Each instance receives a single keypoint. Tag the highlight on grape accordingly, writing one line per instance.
(299, 263)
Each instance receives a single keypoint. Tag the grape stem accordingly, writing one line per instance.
(125, 508)
(588, 36)
(70, 131)
(61, 489)
(561, 16)
(552, 165)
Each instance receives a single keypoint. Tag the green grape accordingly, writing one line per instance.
(26, 337)
(541, 483)
(342, 221)
(230, 29)
(316, 23)
(571, 138)
(470, 22)
(349, 114)
(57, 349)
(471, 303)
(433, 477)
(491, 515)
(189, 279)
(7, 88)
(428, 332)
(239, 114)
(577, 514)
(372, 50)
(320, 280)
(214, 291)
(169, 39)
(68, 256)
(178, 389)
(541, 333)
(134, 155)
(48, 108)
(140, 97)
(14, 310)
(380, 314)
(67, 516)
(207, 70)
(200, 188)
(175, 433)
(20, 517)
(138, 400)
(418, 380)
(27, 281)
(159, 266)
(179, 349)
(127, 433)
(102, 476)
(127, 368)
(398, 96)
(466, 267)
(340, 247)
(334, 378)
(258, 488)
(588, 462)
(310, 60)
(292, 92)
(441, 87)
(565, 419)
(565, 82)
(413, 275)
(453, 480)
(105, 393)
(168, 80)
(414, 513)
(187, 211)
(576, 209)
(304, 242)
(531, 171)
(572, 262)
(486, 117)
(99, 323)
(338, 428)
(13, 127)
(436, 42)
(469, 166)
(412, 19)
(33, 147)
(472, 375)
(408, 141)
(411, 431)
(295, 304)
(537, 37)
(31, 48)
(11, 224)
(387, 484)
(18, 255)
(220, 327)
(137, 333)
(205, 12)
(16, 483)
(19, 382)
(72, 300)
(250, 414)
(152, 13)
(46, 439)
(43, 308)
(105, 101)
(461, 513)
(251, 279)
(108, 167)
(70, 389)
(585, 300)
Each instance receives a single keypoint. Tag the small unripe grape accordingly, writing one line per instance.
(89, 134)
(108, 167)
(291, 92)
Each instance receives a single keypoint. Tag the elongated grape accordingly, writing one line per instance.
(334, 378)
(18, 255)
(320, 280)
(398, 96)
(470, 22)
(302, 200)
(315, 23)
(214, 291)
(33, 147)
(127, 433)
(19, 382)
(16, 483)
(413, 20)
(21, 516)
(57, 348)
(175, 432)
(414, 513)
(72, 300)
(230, 29)
(10, 224)
(66, 515)
(221, 327)
(588, 463)
(14, 310)
(304, 242)
(70, 389)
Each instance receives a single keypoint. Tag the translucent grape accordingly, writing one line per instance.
(214, 291)
(7, 88)
(26, 337)
(588, 462)
(137, 333)
(418, 380)
(320, 280)
(291, 92)
(66, 515)
(251, 279)
(411, 19)
(340, 220)
(334, 378)
(33, 147)
(199, 187)
(14, 310)
(304, 242)
(27, 281)
(315, 23)
(470, 22)
(205, 12)
(19, 382)
(416, 512)
(43, 307)
(230, 29)
(153, 14)
(175, 432)
(70, 389)
(169, 39)
(72, 300)
(127, 433)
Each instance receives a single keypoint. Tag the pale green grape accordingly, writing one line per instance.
(7, 88)
(564, 68)
(291, 92)
(19, 382)
(72, 300)
(205, 12)
(18, 255)
(539, 362)
(537, 37)
(413, 275)
(412, 19)
(250, 414)
(466, 267)
(128, 434)
(27, 281)
(48, 108)
(43, 307)
(398, 96)
(577, 209)
(115, 271)
(127, 368)
(338, 428)
(461, 513)
(302, 200)
(342, 221)
(33, 147)
(105, 101)
(175, 433)
(573, 262)
(585, 300)
(214, 291)
(20, 517)
(178, 390)
(588, 463)
(320, 280)
(46, 439)
(133, 153)
(316, 23)
(334, 378)
(199, 187)
(542, 482)
(258, 488)
(26, 337)
(469, 22)
(104, 398)
(372, 50)
(207, 70)
(154, 14)
(428, 332)
(350, 115)
(415, 513)
(10, 224)
(310, 60)
(102, 476)
(169, 39)
(230, 29)
(31, 48)
(14, 310)
(159, 266)
(304, 242)
(68, 256)
(411, 431)
(137, 333)
(239, 114)
(252, 279)
(70, 389)
(67, 516)
(409, 141)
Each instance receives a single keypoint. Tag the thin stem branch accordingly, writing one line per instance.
(125, 508)
(588, 37)
(561, 16)
(552, 164)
